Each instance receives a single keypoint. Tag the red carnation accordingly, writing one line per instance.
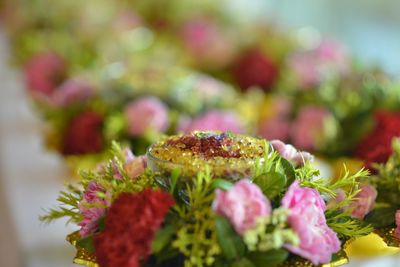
(376, 147)
(84, 134)
(255, 69)
(44, 72)
(131, 224)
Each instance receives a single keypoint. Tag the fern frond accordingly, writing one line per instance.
(347, 227)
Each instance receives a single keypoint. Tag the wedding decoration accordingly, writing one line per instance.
(141, 71)
(200, 74)
(279, 211)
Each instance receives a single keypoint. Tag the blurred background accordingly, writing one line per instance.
(31, 176)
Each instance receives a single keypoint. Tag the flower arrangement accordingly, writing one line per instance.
(281, 211)
(186, 69)
(386, 181)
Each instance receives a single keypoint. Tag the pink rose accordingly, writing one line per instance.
(317, 241)
(213, 120)
(304, 67)
(397, 233)
(290, 153)
(70, 92)
(242, 205)
(364, 202)
(309, 126)
(329, 59)
(146, 113)
(44, 72)
(207, 43)
(91, 215)
(334, 55)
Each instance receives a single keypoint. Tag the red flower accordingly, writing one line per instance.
(44, 72)
(131, 224)
(255, 69)
(83, 135)
(376, 147)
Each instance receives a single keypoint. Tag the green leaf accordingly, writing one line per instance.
(221, 184)
(231, 243)
(269, 258)
(101, 223)
(243, 262)
(338, 256)
(271, 183)
(163, 237)
(288, 169)
(174, 179)
(221, 262)
(381, 217)
(86, 243)
(168, 254)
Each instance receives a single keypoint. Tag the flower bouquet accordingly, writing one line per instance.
(135, 211)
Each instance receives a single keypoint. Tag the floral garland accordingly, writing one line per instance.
(281, 210)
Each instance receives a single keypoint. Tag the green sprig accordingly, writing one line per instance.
(196, 237)
(69, 201)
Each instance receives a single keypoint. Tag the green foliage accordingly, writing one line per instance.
(270, 162)
(69, 206)
(272, 257)
(174, 179)
(163, 237)
(338, 216)
(86, 243)
(271, 232)
(243, 262)
(272, 173)
(271, 183)
(221, 184)
(107, 178)
(382, 217)
(347, 227)
(288, 170)
(231, 243)
(196, 237)
(114, 126)
(348, 182)
(307, 172)
(387, 181)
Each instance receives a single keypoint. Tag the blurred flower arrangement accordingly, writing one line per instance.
(134, 71)
(281, 212)
(387, 184)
